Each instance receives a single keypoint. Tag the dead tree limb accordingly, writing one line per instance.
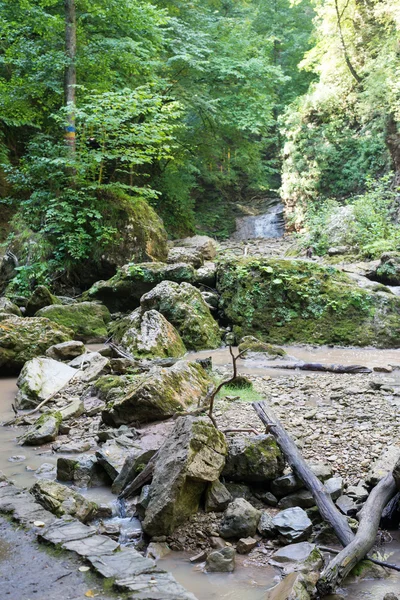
(358, 548)
(322, 498)
(381, 563)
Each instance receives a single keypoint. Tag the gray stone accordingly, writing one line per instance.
(61, 500)
(385, 463)
(238, 490)
(9, 308)
(118, 564)
(294, 587)
(134, 463)
(157, 550)
(65, 530)
(240, 520)
(98, 545)
(302, 498)
(192, 456)
(217, 497)
(221, 561)
(72, 410)
(267, 497)
(246, 545)
(154, 586)
(334, 487)
(206, 246)
(347, 506)
(359, 493)
(91, 365)
(266, 526)
(293, 524)
(41, 378)
(66, 350)
(84, 471)
(46, 471)
(207, 275)
(297, 556)
(43, 431)
(111, 456)
(191, 256)
(396, 474)
(321, 470)
(390, 596)
(286, 484)
(253, 459)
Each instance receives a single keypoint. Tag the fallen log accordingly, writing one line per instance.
(352, 369)
(358, 548)
(322, 498)
(380, 563)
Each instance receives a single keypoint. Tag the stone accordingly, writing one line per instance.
(238, 490)
(396, 474)
(157, 550)
(240, 520)
(246, 545)
(221, 561)
(250, 343)
(84, 471)
(118, 564)
(148, 335)
(152, 396)
(206, 246)
(91, 366)
(207, 275)
(72, 410)
(294, 587)
(66, 351)
(253, 459)
(266, 497)
(39, 379)
(266, 527)
(217, 497)
(200, 557)
(192, 456)
(293, 524)
(388, 270)
(302, 498)
(88, 320)
(381, 467)
(191, 256)
(43, 431)
(23, 339)
(302, 556)
(285, 485)
(143, 502)
(347, 506)
(334, 487)
(321, 470)
(390, 596)
(61, 500)
(133, 465)
(358, 493)
(40, 298)
(65, 530)
(123, 291)
(8, 308)
(153, 586)
(96, 544)
(112, 455)
(46, 471)
(184, 307)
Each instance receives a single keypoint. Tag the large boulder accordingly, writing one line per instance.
(283, 300)
(240, 520)
(152, 396)
(192, 457)
(148, 335)
(123, 291)
(190, 256)
(221, 561)
(8, 308)
(88, 320)
(39, 379)
(253, 459)
(62, 500)
(84, 471)
(23, 339)
(293, 524)
(203, 244)
(66, 350)
(44, 430)
(40, 298)
(184, 307)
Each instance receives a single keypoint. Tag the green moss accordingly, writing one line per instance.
(86, 319)
(252, 344)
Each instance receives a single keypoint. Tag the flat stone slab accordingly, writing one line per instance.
(292, 554)
(118, 564)
(96, 544)
(157, 586)
(64, 531)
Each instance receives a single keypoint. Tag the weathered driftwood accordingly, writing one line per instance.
(322, 498)
(352, 369)
(381, 563)
(358, 548)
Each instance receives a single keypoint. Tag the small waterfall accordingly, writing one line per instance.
(267, 225)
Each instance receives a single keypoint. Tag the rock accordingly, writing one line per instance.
(203, 244)
(390, 596)
(296, 586)
(123, 291)
(321, 470)
(200, 557)
(23, 339)
(253, 459)
(66, 351)
(207, 275)
(191, 256)
(39, 379)
(251, 344)
(217, 497)
(133, 465)
(73, 409)
(358, 493)
(293, 524)
(61, 500)
(267, 498)
(286, 484)
(148, 335)
(157, 550)
(347, 506)
(246, 545)
(396, 473)
(152, 396)
(221, 561)
(192, 456)
(111, 456)
(302, 498)
(240, 520)
(84, 471)
(43, 431)
(88, 320)
(183, 306)
(46, 471)
(283, 301)
(385, 463)
(388, 270)
(298, 556)
(40, 298)
(265, 526)
(238, 490)
(91, 366)
(8, 308)
(143, 502)
(334, 487)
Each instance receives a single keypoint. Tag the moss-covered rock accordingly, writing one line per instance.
(23, 339)
(388, 270)
(148, 335)
(44, 430)
(62, 500)
(124, 290)
(283, 301)
(39, 379)
(40, 298)
(253, 459)
(8, 308)
(88, 320)
(184, 307)
(152, 396)
(251, 344)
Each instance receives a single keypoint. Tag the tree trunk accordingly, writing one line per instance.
(370, 517)
(322, 499)
(70, 73)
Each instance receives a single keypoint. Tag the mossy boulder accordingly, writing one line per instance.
(184, 307)
(44, 430)
(148, 335)
(88, 320)
(39, 379)
(388, 270)
(251, 344)
(8, 308)
(152, 396)
(40, 298)
(123, 291)
(62, 500)
(23, 339)
(191, 457)
(253, 459)
(284, 301)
